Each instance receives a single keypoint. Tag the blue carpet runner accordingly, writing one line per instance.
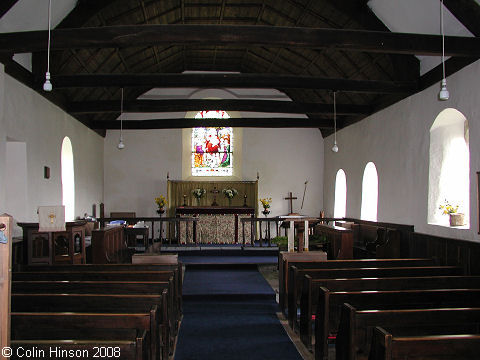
(230, 313)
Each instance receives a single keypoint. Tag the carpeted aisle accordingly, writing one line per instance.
(230, 313)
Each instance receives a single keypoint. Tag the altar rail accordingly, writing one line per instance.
(172, 227)
(253, 227)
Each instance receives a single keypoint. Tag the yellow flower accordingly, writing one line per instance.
(266, 202)
(161, 201)
(448, 209)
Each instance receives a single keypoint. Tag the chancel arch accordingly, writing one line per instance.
(449, 166)
(369, 193)
(68, 179)
(340, 207)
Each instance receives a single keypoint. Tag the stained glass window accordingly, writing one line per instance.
(212, 147)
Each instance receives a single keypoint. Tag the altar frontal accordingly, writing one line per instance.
(219, 205)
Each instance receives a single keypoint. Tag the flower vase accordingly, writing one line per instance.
(265, 212)
(197, 200)
(457, 219)
(160, 211)
(229, 201)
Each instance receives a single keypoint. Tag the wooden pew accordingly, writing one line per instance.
(327, 312)
(112, 267)
(386, 346)
(355, 330)
(94, 343)
(102, 303)
(117, 272)
(397, 283)
(285, 258)
(92, 275)
(284, 264)
(89, 287)
(105, 276)
(297, 279)
(24, 325)
(177, 268)
(104, 287)
(388, 283)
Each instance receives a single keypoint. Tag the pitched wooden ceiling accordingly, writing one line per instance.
(304, 48)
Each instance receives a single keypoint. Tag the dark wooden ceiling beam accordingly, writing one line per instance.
(5, 6)
(182, 123)
(180, 105)
(269, 36)
(260, 81)
(406, 66)
(467, 12)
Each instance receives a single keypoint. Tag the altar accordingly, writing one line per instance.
(218, 216)
(215, 225)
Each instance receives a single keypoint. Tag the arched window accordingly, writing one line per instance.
(340, 207)
(68, 179)
(369, 193)
(212, 153)
(449, 166)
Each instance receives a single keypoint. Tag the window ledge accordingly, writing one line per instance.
(463, 227)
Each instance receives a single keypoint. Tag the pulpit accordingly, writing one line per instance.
(49, 248)
(215, 225)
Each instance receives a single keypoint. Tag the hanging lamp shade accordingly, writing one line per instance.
(121, 145)
(335, 146)
(47, 86)
(443, 95)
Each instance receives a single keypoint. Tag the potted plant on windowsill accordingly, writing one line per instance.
(456, 218)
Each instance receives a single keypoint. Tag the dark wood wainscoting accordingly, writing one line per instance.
(447, 251)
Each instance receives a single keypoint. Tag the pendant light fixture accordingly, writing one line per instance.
(443, 94)
(47, 86)
(121, 145)
(335, 146)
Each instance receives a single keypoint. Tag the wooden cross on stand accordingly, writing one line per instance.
(291, 198)
(214, 192)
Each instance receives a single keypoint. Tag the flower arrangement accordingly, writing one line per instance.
(265, 202)
(230, 193)
(161, 202)
(447, 208)
(198, 192)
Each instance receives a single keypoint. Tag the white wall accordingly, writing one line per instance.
(284, 158)
(397, 141)
(26, 116)
(137, 174)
